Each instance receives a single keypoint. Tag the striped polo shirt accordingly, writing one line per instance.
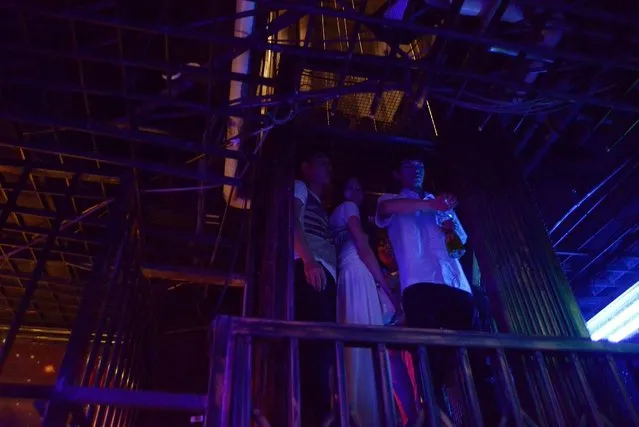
(316, 228)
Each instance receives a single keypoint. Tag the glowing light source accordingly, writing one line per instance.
(619, 319)
(178, 74)
(49, 369)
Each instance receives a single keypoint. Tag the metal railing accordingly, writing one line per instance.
(539, 381)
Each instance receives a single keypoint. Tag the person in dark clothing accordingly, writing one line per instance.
(315, 290)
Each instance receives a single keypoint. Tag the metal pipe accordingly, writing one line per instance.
(100, 129)
(342, 379)
(585, 388)
(510, 389)
(159, 168)
(241, 65)
(531, 377)
(469, 386)
(102, 323)
(536, 50)
(371, 62)
(589, 194)
(294, 419)
(241, 391)
(382, 374)
(549, 394)
(57, 410)
(108, 357)
(426, 385)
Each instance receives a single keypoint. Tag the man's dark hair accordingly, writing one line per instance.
(307, 155)
(407, 157)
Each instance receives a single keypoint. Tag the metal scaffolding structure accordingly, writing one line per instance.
(120, 148)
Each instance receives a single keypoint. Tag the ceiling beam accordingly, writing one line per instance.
(158, 168)
(59, 171)
(100, 129)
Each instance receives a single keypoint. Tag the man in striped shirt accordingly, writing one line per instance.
(315, 275)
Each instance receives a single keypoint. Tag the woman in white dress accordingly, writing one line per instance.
(358, 299)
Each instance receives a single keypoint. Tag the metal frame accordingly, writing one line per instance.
(228, 382)
(47, 147)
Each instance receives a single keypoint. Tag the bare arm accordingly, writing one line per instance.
(390, 207)
(299, 242)
(403, 206)
(314, 272)
(365, 252)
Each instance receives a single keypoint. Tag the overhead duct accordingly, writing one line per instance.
(431, 13)
(240, 65)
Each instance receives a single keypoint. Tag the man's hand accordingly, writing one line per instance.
(444, 202)
(315, 275)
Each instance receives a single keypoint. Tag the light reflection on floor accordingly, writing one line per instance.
(29, 363)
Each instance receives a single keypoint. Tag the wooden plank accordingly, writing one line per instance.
(199, 275)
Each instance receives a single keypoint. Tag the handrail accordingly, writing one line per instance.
(408, 336)
(521, 379)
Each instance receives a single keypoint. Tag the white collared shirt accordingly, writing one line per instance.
(419, 246)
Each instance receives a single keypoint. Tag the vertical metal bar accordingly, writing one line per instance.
(239, 379)
(57, 410)
(112, 360)
(426, 384)
(342, 392)
(469, 385)
(632, 411)
(550, 396)
(510, 391)
(247, 402)
(382, 372)
(93, 354)
(221, 374)
(294, 419)
(31, 287)
(533, 388)
(590, 399)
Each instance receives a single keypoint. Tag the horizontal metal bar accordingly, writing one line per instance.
(192, 403)
(100, 129)
(189, 274)
(475, 39)
(44, 213)
(39, 231)
(82, 194)
(313, 9)
(201, 73)
(183, 172)
(359, 137)
(59, 171)
(44, 279)
(370, 64)
(372, 335)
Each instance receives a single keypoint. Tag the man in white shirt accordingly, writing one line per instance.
(435, 291)
(315, 275)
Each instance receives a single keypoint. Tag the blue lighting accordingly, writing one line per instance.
(619, 319)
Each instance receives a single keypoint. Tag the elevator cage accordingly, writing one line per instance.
(131, 136)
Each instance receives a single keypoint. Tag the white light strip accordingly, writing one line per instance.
(619, 319)
(627, 330)
(617, 322)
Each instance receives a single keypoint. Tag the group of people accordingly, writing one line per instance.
(338, 277)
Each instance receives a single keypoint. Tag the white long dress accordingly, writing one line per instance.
(357, 303)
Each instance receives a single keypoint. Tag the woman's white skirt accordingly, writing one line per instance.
(358, 303)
